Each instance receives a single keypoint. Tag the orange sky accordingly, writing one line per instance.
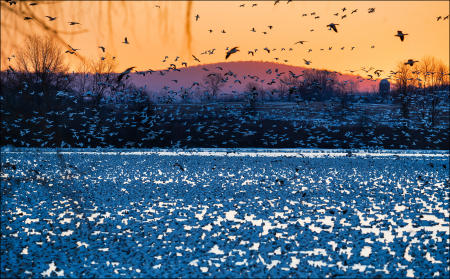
(156, 32)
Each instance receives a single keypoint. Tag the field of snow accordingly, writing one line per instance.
(224, 213)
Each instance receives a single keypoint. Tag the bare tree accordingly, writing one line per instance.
(103, 77)
(319, 84)
(404, 82)
(41, 62)
(212, 83)
(254, 91)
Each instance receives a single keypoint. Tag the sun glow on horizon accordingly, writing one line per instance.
(156, 29)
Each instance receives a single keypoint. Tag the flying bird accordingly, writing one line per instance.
(371, 10)
(410, 62)
(332, 26)
(73, 23)
(306, 61)
(401, 35)
(231, 51)
(126, 72)
(102, 48)
(195, 58)
(197, 17)
(50, 18)
(27, 18)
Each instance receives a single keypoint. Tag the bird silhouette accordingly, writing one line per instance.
(50, 18)
(126, 72)
(231, 51)
(401, 35)
(306, 61)
(73, 23)
(27, 18)
(410, 62)
(332, 26)
(197, 17)
(195, 58)
(125, 41)
(102, 48)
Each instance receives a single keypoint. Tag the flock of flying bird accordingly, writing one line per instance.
(230, 51)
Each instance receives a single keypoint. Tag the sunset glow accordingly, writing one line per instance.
(156, 29)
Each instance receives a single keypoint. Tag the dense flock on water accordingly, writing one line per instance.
(99, 178)
(77, 214)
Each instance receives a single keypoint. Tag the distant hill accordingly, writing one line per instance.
(187, 76)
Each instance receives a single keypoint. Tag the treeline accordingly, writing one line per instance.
(42, 105)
